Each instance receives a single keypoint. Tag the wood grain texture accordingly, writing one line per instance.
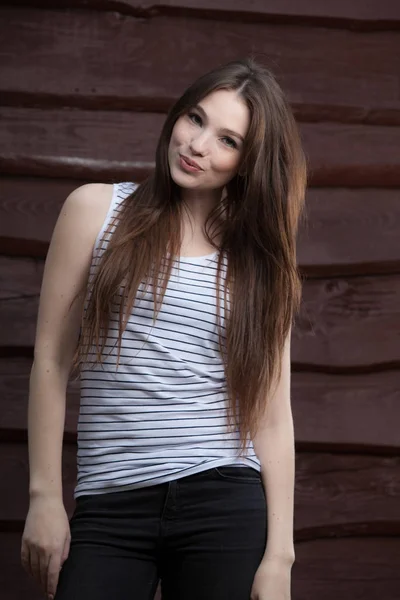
(114, 62)
(15, 472)
(350, 413)
(88, 145)
(349, 322)
(346, 230)
(110, 145)
(357, 413)
(336, 494)
(29, 208)
(15, 583)
(349, 569)
(357, 14)
(14, 391)
(350, 231)
(345, 325)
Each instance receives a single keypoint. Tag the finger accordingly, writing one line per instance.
(44, 566)
(35, 565)
(66, 549)
(53, 572)
(25, 558)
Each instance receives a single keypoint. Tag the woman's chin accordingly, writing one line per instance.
(182, 179)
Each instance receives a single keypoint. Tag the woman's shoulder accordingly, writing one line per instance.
(85, 209)
(100, 195)
(91, 200)
(91, 196)
(91, 205)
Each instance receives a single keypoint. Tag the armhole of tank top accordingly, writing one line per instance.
(107, 217)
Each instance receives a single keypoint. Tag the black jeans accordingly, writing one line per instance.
(203, 535)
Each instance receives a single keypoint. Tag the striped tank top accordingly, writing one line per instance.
(162, 414)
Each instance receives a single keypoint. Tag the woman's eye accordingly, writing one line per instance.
(195, 118)
(229, 142)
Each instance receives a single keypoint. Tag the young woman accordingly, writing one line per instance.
(175, 298)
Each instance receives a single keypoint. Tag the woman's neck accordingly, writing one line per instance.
(199, 204)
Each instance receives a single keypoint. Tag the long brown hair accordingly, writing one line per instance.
(257, 225)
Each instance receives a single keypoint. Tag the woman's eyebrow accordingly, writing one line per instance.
(224, 129)
(233, 133)
(201, 110)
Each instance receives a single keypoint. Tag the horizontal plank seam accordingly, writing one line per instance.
(348, 530)
(357, 275)
(119, 7)
(304, 112)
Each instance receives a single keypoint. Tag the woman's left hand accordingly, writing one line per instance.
(272, 581)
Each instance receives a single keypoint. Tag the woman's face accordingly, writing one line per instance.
(207, 142)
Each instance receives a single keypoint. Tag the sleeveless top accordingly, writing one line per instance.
(163, 414)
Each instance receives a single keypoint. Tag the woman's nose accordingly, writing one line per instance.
(198, 145)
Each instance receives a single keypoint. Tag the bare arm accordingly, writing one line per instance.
(274, 445)
(66, 273)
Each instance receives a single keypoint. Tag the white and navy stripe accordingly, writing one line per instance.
(163, 414)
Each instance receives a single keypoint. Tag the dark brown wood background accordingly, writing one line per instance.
(84, 89)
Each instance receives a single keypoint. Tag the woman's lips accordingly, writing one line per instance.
(188, 165)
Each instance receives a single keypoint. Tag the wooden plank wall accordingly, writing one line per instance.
(83, 93)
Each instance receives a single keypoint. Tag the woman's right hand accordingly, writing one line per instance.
(45, 541)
